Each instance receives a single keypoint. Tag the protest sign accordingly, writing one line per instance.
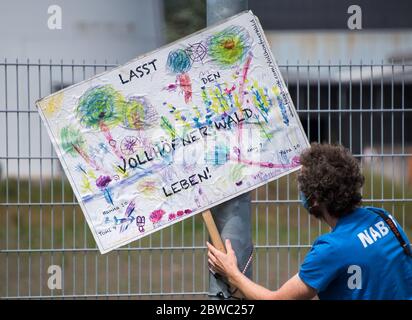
(175, 132)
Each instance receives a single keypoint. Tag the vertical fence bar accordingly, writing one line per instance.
(371, 132)
(30, 156)
(40, 186)
(63, 202)
(74, 255)
(18, 175)
(319, 127)
(96, 257)
(340, 102)
(182, 257)
(85, 245)
(382, 146)
(308, 132)
(361, 120)
(52, 178)
(257, 236)
(350, 106)
(329, 105)
(288, 195)
(403, 140)
(298, 108)
(392, 141)
(7, 173)
(277, 237)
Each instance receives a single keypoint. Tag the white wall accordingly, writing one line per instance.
(92, 30)
(342, 45)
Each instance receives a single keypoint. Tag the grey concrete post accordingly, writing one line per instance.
(232, 218)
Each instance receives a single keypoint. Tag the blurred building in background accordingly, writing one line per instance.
(366, 72)
(317, 31)
(93, 32)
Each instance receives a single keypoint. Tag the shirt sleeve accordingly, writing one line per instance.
(321, 265)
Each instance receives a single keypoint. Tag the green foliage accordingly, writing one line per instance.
(229, 46)
(71, 139)
(184, 17)
(100, 105)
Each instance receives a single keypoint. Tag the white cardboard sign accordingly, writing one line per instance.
(175, 132)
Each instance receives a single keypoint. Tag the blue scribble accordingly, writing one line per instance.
(179, 61)
(79, 167)
(283, 111)
(263, 110)
(122, 221)
(108, 196)
(103, 147)
(128, 218)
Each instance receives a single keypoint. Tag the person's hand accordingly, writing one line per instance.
(223, 263)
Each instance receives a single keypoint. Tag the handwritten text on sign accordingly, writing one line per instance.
(175, 132)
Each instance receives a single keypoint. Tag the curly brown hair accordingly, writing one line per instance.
(331, 176)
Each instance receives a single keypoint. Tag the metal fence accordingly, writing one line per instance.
(366, 107)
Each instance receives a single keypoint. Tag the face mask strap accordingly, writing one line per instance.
(309, 207)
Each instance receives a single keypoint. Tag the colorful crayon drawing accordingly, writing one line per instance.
(138, 114)
(54, 104)
(179, 62)
(229, 46)
(99, 108)
(72, 142)
(128, 218)
(175, 132)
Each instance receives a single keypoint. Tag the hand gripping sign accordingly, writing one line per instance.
(175, 132)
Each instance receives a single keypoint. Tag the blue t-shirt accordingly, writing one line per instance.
(360, 259)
